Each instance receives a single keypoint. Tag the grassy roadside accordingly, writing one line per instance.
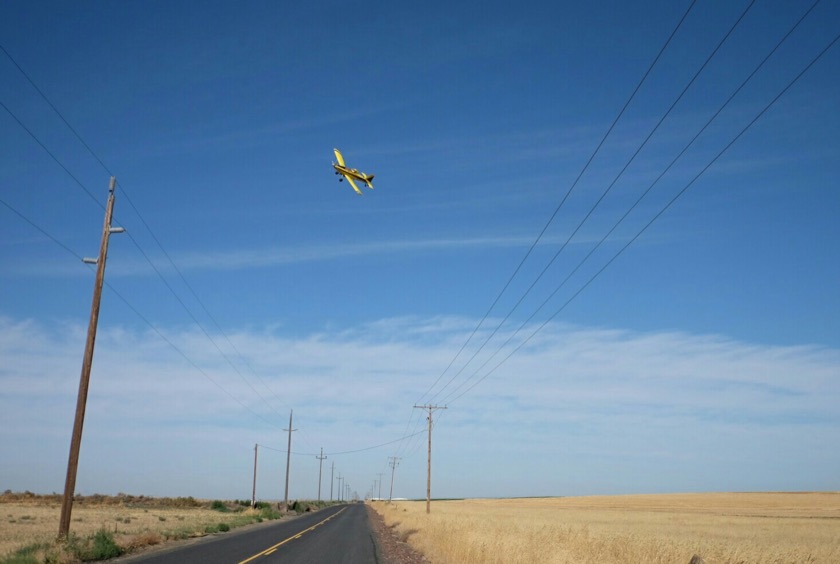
(104, 527)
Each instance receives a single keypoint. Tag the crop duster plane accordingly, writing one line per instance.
(351, 173)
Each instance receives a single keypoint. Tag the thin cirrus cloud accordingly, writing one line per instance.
(354, 388)
(249, 258)
(695, 373)
(275, 256)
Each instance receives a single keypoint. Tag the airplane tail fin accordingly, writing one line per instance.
(369, 180)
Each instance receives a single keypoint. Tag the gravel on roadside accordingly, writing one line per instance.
(390, 549)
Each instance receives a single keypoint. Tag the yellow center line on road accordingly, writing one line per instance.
(271, 549)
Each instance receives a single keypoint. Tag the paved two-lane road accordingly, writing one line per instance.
(338, 534)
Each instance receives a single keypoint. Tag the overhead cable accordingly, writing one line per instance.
(655, 217)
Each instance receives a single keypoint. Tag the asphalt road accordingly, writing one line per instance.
(340, 534)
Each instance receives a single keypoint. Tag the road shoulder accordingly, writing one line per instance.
(389, 548)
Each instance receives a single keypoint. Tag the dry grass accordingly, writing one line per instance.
(34, 521)
(739, 527)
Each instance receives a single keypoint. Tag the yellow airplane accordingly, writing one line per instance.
(351, 173)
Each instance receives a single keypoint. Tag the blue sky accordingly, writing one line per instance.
(706, 356)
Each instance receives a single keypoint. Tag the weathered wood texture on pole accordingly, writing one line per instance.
(87, 362)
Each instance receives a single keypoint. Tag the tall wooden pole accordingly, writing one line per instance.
(87, 362)
(332, 471)
(288, 456)
(394, 463)
(254, 488)
(429, 457)
(320, 466)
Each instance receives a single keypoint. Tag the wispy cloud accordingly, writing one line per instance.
(220, 135)
(250, 258)
(272, 256)
(354, 388)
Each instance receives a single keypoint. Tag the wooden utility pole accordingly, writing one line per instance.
(254, 488)
(320, 465)
(431, 408)
(332, 471)
(288, 456)
(380, 486)
(87, 362)
(394, 462)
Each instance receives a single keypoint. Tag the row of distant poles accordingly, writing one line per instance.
(84, 384)
(343, 492)
(343, 489)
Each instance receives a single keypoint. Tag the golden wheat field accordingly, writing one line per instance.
(24, 522)
(721, 528)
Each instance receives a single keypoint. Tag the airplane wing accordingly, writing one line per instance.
(350, 180)
(338, 157)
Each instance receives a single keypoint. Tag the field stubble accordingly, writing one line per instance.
(736, 527)
(35, 521)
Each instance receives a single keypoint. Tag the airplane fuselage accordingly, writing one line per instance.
(352, 172)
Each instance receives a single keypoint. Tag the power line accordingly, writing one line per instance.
(380, 445)
(203, 307)
(184, 355)
(565, 197)
(110, 287)
(640, 198)
(658, 214)
(201, 327)
(47, 100)
(131, 237)
(545, 227)
(601, 198)
(133, 309)
(354, 451)
(52, 156)
(41, 229)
